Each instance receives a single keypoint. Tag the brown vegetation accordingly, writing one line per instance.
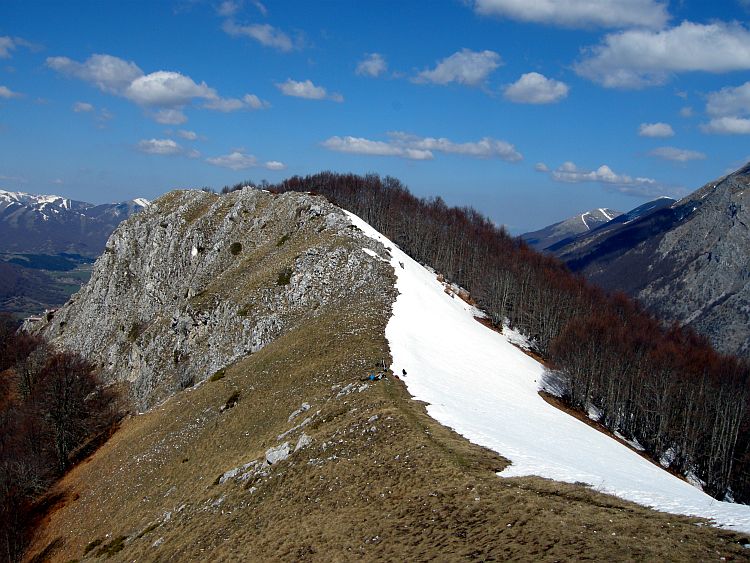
(52, 407)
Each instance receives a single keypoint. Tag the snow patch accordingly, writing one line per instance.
(476, 382)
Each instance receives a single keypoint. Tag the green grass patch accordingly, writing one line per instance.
(113, 547)
(218, 375)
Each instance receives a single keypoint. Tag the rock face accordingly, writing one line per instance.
(197, 281)
(687, 262)
(569, 229)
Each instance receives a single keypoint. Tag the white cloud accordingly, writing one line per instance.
(254, 102)
(307, 90)
(167, 89)
(9, 44)
(686, 111)
(535, 88)
(569, 173)
(372, 65)
(7, 93)
(729, 101)
(169, 116)
(467, 67)
(226, 105)
(677, 155)
(658, 129)
(729, 109)
(727, 126)
(579, 13)
(240, 160)
(261, 7)
(159, 146)
(423, 148)
(82, 107)
(359, 145)
(6, 46)
(637, 58)
(541, 167)
(228, 8)
(188, 135)
(264, 34)
(109, 74)
(164, 94)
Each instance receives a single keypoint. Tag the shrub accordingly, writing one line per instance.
(285, 276)
(218, 375)
(235, 248)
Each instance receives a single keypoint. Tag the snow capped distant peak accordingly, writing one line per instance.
(142, 202)
(32, 199)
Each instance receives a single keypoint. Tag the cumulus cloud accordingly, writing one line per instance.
(569, 173)
(360, 145)
(249, 101)
(579, 13)
(535, 88)
(306, 89)
(240, 160)
(677, 155)
(263, 33)
(159, 146)
(729, 101)
(82, 107)
(658, 129)
(467, 67)
(110, 74)
(169, 116)
(372, 65)
(188, 135)
(541, 167)
(727, 126)
(729, 109)
(164, 94)
(638, 58)
(7, 93)
(412, 147)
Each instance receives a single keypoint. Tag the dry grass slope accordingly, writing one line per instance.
(380, 479)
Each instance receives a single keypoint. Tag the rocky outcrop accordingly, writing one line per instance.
(197, 281)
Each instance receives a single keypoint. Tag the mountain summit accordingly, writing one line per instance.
(569, 228)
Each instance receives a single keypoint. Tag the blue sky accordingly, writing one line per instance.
(529, 111)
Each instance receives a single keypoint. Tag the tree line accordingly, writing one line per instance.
(664, 387)
(54, 410)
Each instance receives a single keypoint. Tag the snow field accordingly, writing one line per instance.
(486, 389)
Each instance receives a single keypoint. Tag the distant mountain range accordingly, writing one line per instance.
(47, 246)
(569, 228)
(51, 224)
(687, 260)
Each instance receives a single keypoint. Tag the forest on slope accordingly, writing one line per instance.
(666, 388)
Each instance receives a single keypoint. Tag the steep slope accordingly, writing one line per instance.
(687, 262)
(569, 228)
(289, 454)
(50, 224)
(198, 281)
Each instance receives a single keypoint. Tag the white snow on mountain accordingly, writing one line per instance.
(485, 388)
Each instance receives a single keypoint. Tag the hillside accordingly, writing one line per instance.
(286, 452)
(568, 229)
(686, 262)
